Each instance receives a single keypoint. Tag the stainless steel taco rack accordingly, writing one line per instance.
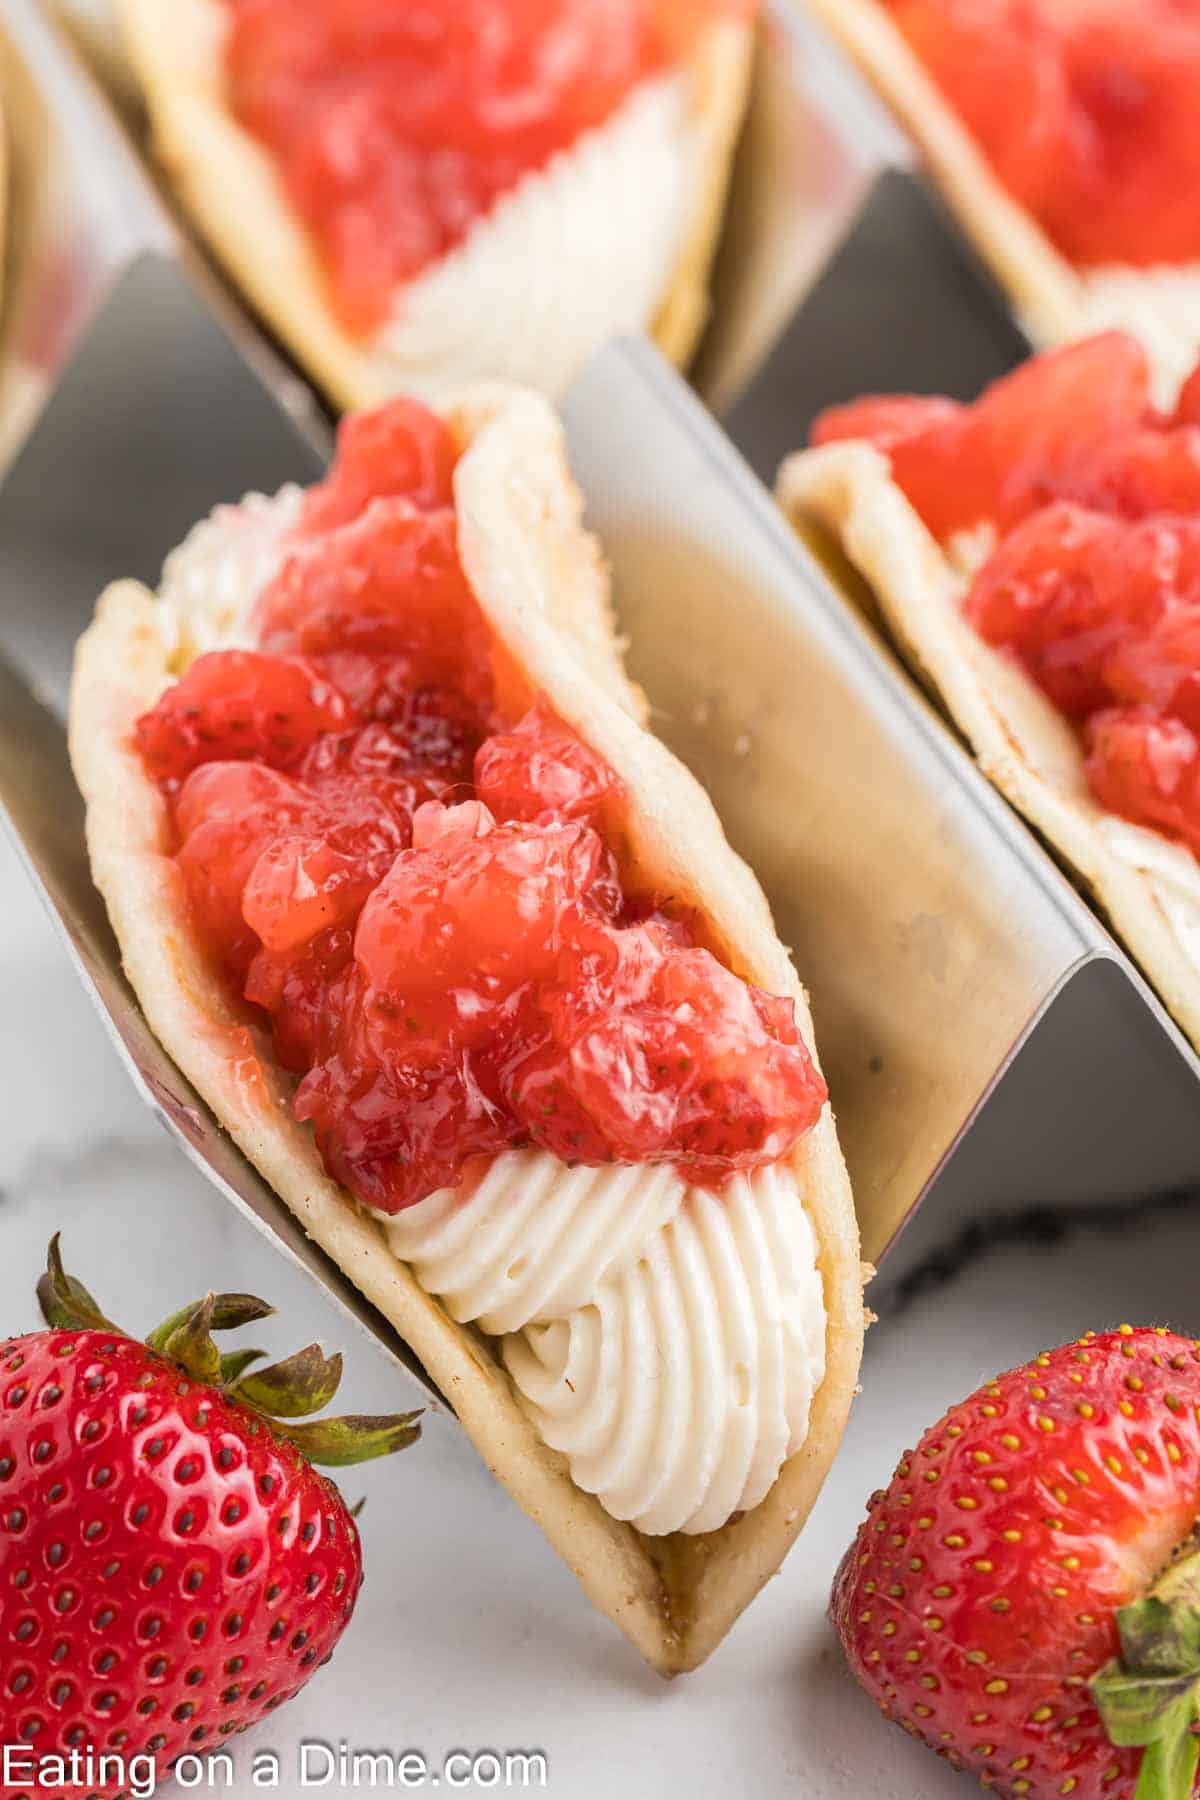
(986, 1043)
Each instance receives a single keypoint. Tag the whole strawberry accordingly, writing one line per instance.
(1025, 1596)
(171, 1565)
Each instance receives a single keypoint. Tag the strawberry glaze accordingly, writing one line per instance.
(420, 887)
(1094, 580)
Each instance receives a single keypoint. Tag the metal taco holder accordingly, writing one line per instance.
(950, 964)
(1093, 1103)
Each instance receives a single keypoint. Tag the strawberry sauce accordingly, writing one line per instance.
(1094, 582)
(1087, 112)
(418, 884)
(394, 128)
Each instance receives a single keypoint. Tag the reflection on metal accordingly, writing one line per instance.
(815, 142)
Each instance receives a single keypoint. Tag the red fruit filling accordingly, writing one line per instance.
(1087, 112)
(421, 891)
(395, 127)
(1094, 583)
(240, 705)
(1031, 436)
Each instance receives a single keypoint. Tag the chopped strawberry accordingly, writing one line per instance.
(300, 887)
(886, 420)
(400, 451)
(1187, 407)
(387, 582)
(1094, 582)
(1000, 458)
(231, 815)
(496, 1000)
(227, 815)
(1146, 768)
(394, 128)
(428, 909)
(994, 1600)
(1085, 109)
(1086, 602)
(542, 771)
(238, 704)
(1138, 472)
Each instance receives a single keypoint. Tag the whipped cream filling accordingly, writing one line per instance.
(210, 585)
(667, 1339)
(577, 253)
(1159, 306)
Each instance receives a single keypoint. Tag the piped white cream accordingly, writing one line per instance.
(577, 253)
(668, 1339)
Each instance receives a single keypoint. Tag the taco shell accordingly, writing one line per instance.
(542, 585)
(1148, 887)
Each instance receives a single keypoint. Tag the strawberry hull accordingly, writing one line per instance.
(170, 1570)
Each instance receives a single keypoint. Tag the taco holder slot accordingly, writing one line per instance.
(950, 964)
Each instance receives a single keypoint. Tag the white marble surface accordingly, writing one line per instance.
(470, 1633)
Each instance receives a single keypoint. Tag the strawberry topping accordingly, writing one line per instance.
(1029, 436)
(1086, 111)
(1094, 581)
(420, 889)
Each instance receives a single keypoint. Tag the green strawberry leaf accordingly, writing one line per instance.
(339, 1443)
(292, 1389)
(296, 1387)
(191, 1344)
(65, 1302)
(1150, 1697)
(1138, 1709)
(234, 1364)
(229, 1312)
(1161, 1634)
(1168, 1768)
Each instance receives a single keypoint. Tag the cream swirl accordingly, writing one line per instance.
(210, 584)
(530, 1239)
(577, 253)
(667, 1339)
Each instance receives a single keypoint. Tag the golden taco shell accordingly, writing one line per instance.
(540, 581)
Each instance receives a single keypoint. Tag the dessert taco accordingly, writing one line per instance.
(459, 955)
(1066, 139)
(486, 189)
(1037, 557)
